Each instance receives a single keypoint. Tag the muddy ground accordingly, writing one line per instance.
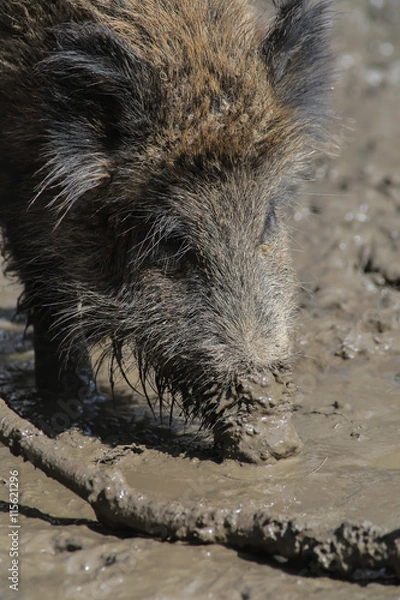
(346, 245)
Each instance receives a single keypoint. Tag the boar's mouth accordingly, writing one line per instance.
(201, 393)
(249, 414)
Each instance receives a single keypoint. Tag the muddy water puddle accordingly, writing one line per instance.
(346, 243)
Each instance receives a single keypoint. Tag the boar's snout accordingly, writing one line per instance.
(255, 424)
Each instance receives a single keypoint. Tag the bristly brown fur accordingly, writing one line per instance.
(146, 148)
(206, 57)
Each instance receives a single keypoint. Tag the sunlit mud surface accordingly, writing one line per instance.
(346, 246)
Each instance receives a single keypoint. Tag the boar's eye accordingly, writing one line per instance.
(176, 247)
(174, 243)
(170, 245)
(270, 224)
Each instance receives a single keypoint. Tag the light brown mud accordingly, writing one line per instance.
(346, 244)
(348, 549)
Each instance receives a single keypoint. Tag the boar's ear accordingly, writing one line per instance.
(95, 92)
(296, 52)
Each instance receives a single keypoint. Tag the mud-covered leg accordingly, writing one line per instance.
(66, 374)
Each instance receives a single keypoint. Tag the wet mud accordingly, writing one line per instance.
(345, 230)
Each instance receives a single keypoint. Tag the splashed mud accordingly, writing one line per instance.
(346, 243)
